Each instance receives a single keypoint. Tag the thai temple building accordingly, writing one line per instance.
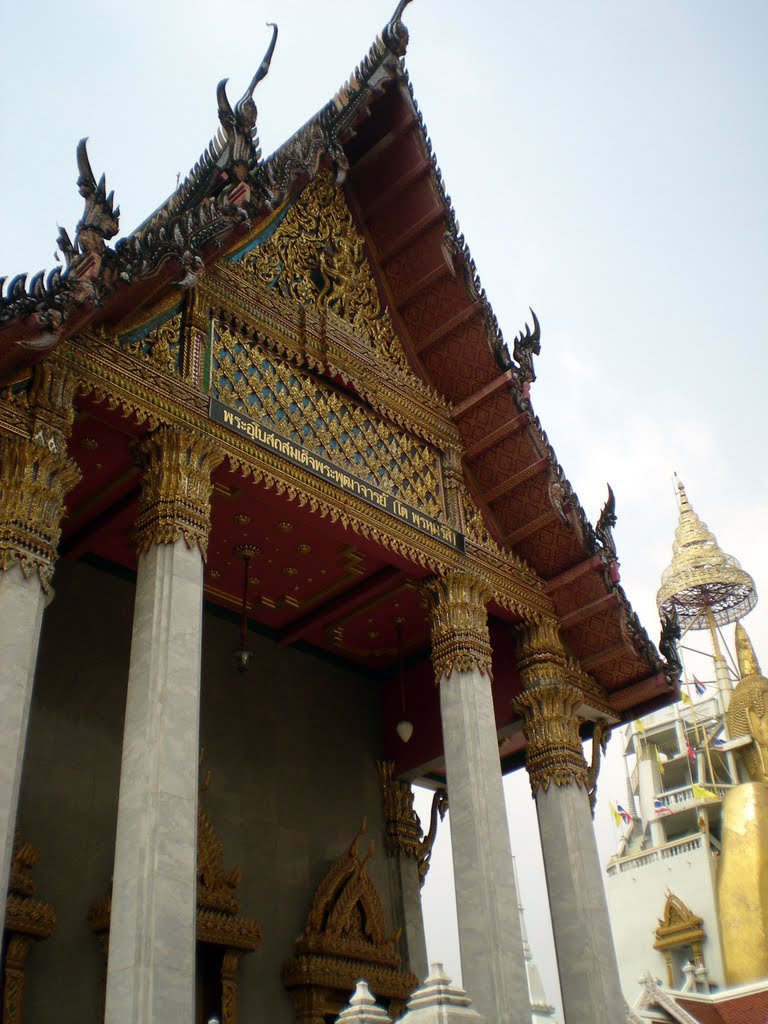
(280, 537)
(691, 857)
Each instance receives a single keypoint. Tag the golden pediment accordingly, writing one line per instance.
(317, 257)
(346, 938)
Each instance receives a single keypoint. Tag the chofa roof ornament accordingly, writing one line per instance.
(243, 151)
(395, 35)
(100, 220)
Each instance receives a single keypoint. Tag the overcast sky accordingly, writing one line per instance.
(608, 162)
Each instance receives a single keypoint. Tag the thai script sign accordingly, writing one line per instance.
(321, 467)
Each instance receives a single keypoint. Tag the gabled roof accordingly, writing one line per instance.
(745, 1005)
(371, 135)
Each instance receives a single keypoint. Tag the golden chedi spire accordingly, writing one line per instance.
(702, 578)
(748, 709)
(745, 654)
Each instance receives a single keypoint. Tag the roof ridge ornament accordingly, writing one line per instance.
(240, 124)
(526, 345)
(395, 34)
(606, 523)
(100, 220)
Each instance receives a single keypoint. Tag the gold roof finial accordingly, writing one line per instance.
(702, 576)
(745, 654)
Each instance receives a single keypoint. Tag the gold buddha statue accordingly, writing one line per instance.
(748, 709)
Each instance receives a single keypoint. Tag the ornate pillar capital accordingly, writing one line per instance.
(33, 482)
(541, 654)
(548, 704)
(459, 622)
(176, 488)
(551, 727)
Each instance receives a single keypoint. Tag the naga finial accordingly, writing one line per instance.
(670, 634)
(100, 220)
(606, 523)
(527, 344)
(240, 124)
(395, 34)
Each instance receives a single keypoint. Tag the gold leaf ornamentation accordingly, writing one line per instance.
(160, 346)
(549, 704)
(328, 422)
(459, 622)
(317, 257)
(33, 483)
(176, 488)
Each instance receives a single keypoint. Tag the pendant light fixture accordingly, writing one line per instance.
(242, 656)
(404, 727)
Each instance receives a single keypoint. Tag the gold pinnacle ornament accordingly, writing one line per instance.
(702, 580)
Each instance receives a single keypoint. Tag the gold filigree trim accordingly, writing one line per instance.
(459, 622)
(175, 499)
(33, 483)
(251, 379)
(317, 257)
(161, 345)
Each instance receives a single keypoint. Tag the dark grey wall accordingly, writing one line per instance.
(291, 747)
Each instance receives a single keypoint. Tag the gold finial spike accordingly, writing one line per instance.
(702, 583)
(745, 654)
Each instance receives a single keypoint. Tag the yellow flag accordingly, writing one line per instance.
(703, 794)
(685, 698)
(616, 815)
(659, 762)
(640, 726)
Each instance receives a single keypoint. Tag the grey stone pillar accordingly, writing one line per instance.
(33, 482)
(492, 960)
(151, 967)
(587, 965)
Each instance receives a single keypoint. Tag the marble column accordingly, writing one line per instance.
(492, 958)
(151, 967)
(33, 482)
(560, 780)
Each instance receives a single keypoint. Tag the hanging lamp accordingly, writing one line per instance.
(404, 727)
(242, 655)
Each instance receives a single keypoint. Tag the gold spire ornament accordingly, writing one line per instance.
(748, 709)
(702, 582)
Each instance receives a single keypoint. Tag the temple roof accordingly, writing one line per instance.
(372, 138)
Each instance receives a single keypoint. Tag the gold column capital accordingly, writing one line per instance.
(541, 654)
(551, 727)
(33, 483)
(458, 618)
(175, 498)
(548, 705)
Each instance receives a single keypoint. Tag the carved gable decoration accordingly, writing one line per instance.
(345, 939)
(317, 257)
(679, 926)
(27, 921)
(300, 406)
